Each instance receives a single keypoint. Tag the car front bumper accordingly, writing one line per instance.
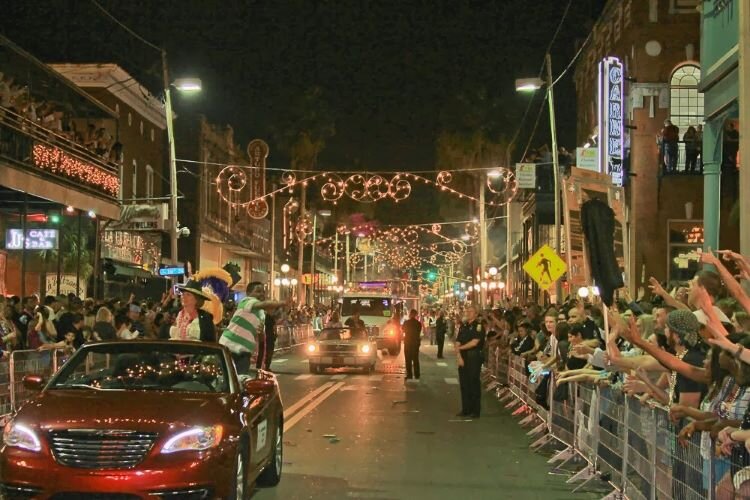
(184, 475)
(340, 360)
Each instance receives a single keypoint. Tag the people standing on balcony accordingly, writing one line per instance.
(699, 144)
(691, 149)
(668, 139)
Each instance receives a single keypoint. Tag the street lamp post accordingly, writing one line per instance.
(533, 84)
(190, 85)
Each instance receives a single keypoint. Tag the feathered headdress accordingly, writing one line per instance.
(215, 282)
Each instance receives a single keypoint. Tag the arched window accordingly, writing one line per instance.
(686, 103)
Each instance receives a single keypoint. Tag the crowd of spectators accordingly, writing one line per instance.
(687, 351)
(15, 98)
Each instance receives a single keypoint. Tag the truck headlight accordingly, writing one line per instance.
(365, 348)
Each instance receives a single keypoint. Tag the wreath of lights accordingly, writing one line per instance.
(56, 161)
(231, 183)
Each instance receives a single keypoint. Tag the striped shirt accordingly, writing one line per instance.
(244, 327)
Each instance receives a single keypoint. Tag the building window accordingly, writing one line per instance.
(130, 119)
(141, 127)
(149, 181)
(135, 180)
(152, 135)
(686, 103)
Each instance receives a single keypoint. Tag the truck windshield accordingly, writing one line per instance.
(367, 306)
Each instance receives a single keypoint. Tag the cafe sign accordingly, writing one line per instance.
(36, 239)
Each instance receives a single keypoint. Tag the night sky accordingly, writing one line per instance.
(387, 71)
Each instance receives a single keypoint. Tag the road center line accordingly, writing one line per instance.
(288, 424)
(296, 406)
(304, 376)
(451, 381)
(441, 363)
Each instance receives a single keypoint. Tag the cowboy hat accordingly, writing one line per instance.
(194, 287)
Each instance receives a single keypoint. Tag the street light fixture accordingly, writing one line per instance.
(284, 268)
(188, 84)
(529, 84)
(533, 84)
(294, 281)
(493, 271)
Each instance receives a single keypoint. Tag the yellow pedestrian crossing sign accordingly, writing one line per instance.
(545, 267)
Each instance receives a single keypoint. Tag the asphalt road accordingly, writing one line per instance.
(352, 435)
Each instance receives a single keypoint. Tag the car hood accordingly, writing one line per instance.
(127, 410)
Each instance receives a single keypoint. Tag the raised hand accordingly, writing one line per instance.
(655, 286)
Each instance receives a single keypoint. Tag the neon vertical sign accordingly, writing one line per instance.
(611, 115)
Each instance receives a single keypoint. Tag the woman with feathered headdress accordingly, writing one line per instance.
(202, 305)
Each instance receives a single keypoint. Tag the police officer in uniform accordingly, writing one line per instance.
(469, 345)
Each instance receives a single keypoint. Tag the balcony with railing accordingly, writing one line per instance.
(43, 143)
(29, 146)
(679, 160)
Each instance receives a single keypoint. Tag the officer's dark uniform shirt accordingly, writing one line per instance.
(469, 332)
(412, 329)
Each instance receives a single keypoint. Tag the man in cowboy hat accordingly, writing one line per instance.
(247, 324)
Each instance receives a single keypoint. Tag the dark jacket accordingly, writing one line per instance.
(206, 322)
(598, 221)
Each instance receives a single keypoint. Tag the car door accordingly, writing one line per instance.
(259, 397)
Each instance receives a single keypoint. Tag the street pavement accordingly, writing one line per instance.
(353, 435)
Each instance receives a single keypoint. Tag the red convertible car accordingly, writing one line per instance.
(142, 419)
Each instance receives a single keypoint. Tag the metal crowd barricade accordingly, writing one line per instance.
(631, 445)
(22, 363)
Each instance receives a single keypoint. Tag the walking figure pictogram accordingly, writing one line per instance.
(544, 263)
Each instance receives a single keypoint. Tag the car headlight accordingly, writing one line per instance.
(365, 348)
(21, 436)
(311, 348)
(195, 439)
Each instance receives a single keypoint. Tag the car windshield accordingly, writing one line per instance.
(367, 306)
(145, 366)
(342, 334)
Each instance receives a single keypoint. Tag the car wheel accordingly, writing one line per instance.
(394, 350)
(240, 487)
(271, 475)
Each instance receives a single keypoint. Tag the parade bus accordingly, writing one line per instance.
(381, 307)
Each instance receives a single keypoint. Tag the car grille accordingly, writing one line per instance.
(334, 349)
(101, 449)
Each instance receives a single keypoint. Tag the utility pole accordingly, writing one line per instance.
(744, 98)
(482, 240)
(312, 257)
(272, 271)
(301, 250)
(348, 242)
(172, 163)
(556, 167)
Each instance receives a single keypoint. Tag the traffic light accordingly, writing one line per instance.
(431, 276)
(54, 218)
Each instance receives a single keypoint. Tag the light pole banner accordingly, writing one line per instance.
(526, 175)
(611, 115)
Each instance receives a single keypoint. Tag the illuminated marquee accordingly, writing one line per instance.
(611, 115)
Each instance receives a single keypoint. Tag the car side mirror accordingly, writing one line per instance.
(259, 387)
(33, 382)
